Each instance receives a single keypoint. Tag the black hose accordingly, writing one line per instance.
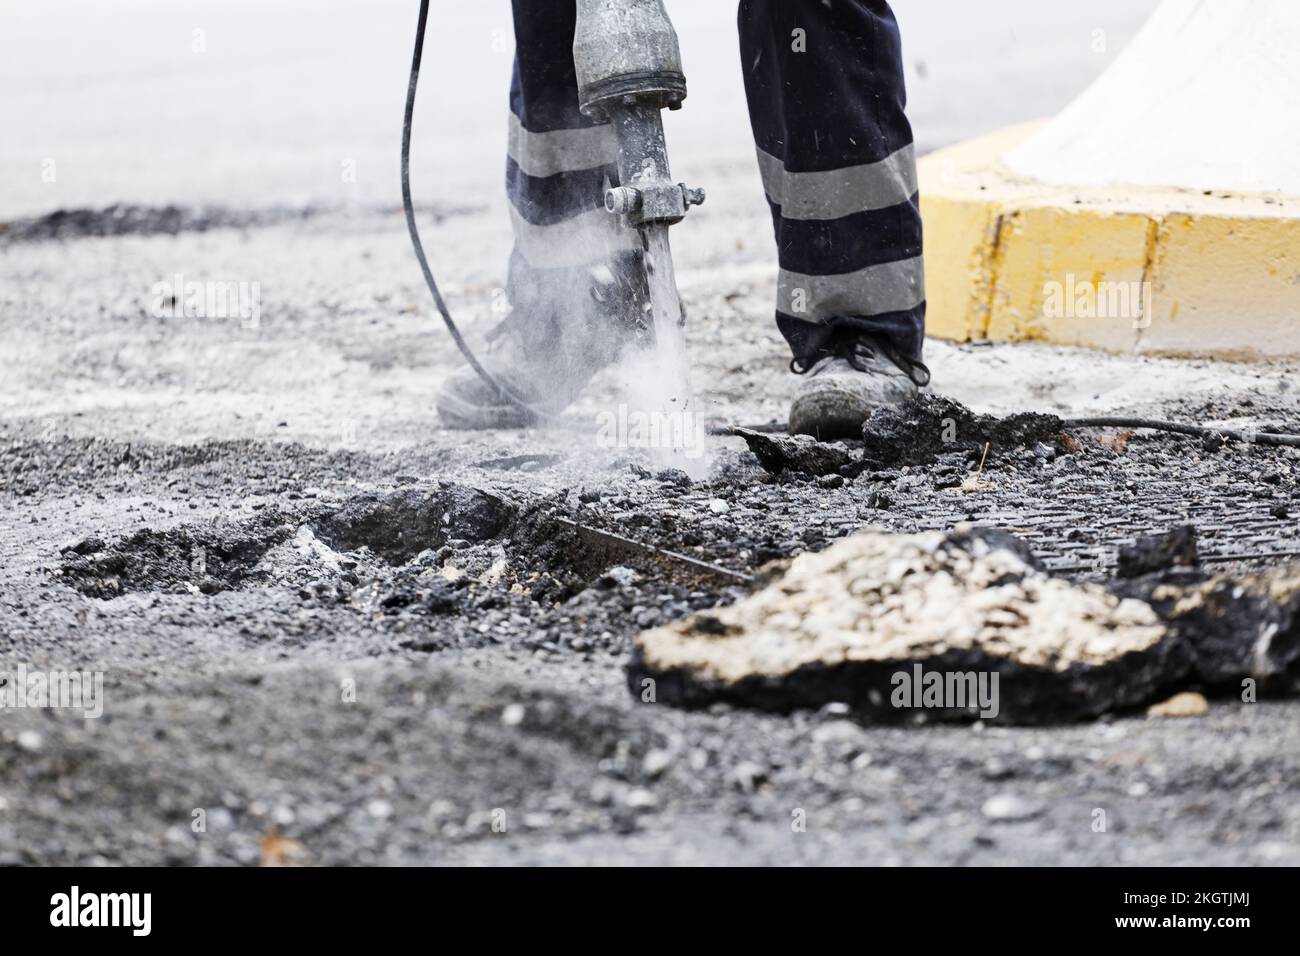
(1273, 439)
(494, 383)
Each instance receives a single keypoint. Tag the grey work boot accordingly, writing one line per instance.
(545, 352)
(847, 383)
(546, 379)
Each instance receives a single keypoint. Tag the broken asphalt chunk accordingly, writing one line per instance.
(798, 453)
(1152, 553)
(957, 625)
(922, 429)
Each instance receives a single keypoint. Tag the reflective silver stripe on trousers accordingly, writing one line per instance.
(591, 238)
(562, 150)
(840, 192)
(875, 290)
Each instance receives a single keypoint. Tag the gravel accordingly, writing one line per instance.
(244, 531)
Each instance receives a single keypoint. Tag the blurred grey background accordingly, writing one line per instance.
(271, 102)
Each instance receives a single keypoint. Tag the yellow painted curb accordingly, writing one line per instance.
(1156, 271)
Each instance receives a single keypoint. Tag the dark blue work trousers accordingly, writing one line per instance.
(824, 80)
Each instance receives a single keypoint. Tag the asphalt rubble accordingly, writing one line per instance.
(517, 565)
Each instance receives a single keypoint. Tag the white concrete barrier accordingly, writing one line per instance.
(1207, 96)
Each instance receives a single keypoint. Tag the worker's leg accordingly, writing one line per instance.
(558, 168)
(826, 99)
(572, 288)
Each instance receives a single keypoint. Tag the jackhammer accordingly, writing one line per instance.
(628, 65)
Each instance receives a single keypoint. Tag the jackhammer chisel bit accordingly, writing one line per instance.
(629, 68)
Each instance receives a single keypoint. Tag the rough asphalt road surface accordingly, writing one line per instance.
(347, 636)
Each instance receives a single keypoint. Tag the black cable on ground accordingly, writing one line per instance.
(1274, 439)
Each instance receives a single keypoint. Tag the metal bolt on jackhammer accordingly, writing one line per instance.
(693, 196)
(622, 200)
